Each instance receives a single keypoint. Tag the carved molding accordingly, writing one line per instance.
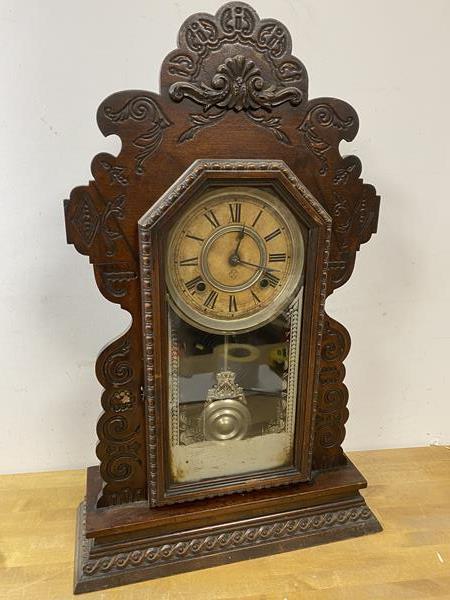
(228, 540)
(148, 352)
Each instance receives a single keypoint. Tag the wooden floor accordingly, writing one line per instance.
(409, 491)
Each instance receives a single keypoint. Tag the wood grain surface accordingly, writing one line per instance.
(409, 492)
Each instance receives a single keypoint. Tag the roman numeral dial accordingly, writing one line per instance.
(234, 258)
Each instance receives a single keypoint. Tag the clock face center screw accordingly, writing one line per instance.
(234, 260)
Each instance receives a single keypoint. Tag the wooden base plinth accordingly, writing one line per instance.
(142, 543)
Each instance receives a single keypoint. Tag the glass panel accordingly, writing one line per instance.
(232, 397)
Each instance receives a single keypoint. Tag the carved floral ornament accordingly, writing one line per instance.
(238, 85)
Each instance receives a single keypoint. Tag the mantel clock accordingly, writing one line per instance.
(222, 225)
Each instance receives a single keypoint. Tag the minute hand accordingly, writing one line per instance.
(263, 267)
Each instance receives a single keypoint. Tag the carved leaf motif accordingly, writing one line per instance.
(321, 116)
(199, 121)
(148, 142)
(342, 175)
(237, 85)
(273, 124)
(138, 109)
(116, 173)
(114, 208)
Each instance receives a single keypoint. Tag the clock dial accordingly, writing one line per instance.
(234, 259)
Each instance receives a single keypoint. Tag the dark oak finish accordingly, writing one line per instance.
(231, 90)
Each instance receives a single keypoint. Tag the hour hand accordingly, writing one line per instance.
(239, 239)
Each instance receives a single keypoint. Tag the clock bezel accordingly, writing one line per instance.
(153, 229)
(265, 314)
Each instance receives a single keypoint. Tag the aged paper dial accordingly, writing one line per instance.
(234, 259)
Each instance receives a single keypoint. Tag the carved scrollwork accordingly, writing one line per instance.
(340, 269)
(238, 85)
(235, 22)
(116, 369)
(342, 175)
(331, 413)
(335, 342)
(117, 429)
(142, 108)
(182, 65)
(290, 70)
(319, 117)
(279, 529)
(332, 397)
(121, 467)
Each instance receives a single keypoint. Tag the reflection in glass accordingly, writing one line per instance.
(232, 398)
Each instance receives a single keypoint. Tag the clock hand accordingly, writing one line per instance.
(239, 239)
(249, 264)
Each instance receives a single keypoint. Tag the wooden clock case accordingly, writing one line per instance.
(233, 103)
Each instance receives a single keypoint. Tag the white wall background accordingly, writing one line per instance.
(58, 60)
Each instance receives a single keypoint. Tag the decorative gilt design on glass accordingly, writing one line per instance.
(235, 400)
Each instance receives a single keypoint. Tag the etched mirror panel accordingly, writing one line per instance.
(233, 397)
